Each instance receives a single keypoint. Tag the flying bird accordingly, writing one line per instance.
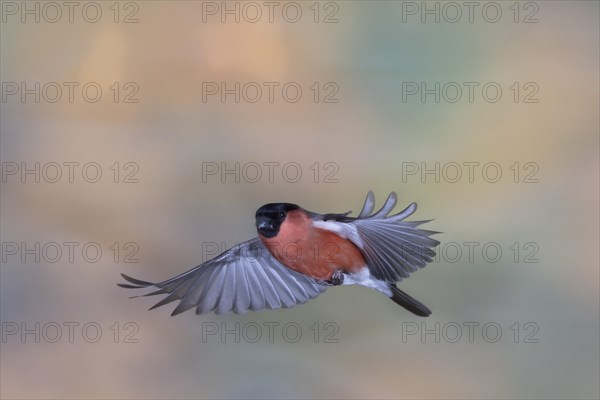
(298, 254)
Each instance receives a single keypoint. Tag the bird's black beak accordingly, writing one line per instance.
(265, 227)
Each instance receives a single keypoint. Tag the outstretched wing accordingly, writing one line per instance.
(245, 277)
(392, 247)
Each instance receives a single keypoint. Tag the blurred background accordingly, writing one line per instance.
(135, 125)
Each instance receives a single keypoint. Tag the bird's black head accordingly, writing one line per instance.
(270, 217)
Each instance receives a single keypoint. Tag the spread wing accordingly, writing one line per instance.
(245, 277)
(392, 247)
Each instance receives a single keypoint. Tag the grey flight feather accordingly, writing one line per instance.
(245, 277)
(368, 207)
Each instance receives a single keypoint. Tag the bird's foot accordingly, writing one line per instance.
(336, 279)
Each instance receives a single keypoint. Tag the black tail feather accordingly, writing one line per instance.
(412, 305)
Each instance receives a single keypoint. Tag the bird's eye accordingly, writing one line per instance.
(282, 214)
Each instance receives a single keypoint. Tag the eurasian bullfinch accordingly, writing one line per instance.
(298, 254)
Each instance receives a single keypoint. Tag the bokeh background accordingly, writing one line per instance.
(369, 135)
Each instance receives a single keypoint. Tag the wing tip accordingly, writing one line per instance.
(407, 212)
(368, 205)
(127, 286)
(134, 283)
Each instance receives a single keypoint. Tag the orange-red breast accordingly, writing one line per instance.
(298, 254)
